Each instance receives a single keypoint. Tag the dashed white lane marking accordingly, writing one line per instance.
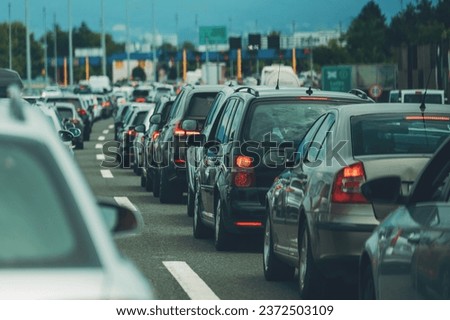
(101, 138)
(100, 157)
(191, 283)
(107, 174)
(111, 126)
(105, 131)
(98, 146)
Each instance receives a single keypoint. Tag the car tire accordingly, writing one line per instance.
(190, 202)
(274, 268)
(80, 145)
(156, 182)
(309, 278)
(143, 180)
(199, 230)
(367, 286)
(148, 181)
(168, 193)
(222, 238)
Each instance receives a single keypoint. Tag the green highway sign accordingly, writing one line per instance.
(213, 35)
(337, 78)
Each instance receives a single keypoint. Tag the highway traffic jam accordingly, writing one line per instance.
(233, 192)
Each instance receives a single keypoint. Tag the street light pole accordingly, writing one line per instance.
(9, 35)
(70, 43)
(45, 46)
(103, 40)
(154, 42)
(127, 45)
(55, 49)
(28, 46)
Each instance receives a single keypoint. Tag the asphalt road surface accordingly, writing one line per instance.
(178, 266)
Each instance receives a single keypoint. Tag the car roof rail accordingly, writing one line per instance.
(250, 90)
(361, 94)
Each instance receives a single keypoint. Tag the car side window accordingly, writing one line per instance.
(223, 124)
(319, 139)
(307, 140)
(236, 119)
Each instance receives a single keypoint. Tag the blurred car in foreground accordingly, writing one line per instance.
(54, 237)
(318, 220)
(408, 254)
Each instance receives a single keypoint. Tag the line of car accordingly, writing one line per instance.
(288, 165)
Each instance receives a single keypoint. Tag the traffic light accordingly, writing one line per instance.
(235, 43)
(273, 41)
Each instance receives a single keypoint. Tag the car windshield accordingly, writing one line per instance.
(283, 121)
(140, 117)
(417, 98)
(398, 134)
(45, 230)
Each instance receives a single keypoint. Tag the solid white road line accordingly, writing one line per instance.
(124, 201)
(98, 146)
(111, 126)
(106, 174)
(101, 138)
(100, 157)
(105, 131)
(191, 283)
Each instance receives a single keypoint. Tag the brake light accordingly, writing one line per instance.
(248, 224)
(432, 118)
(314, 98)
(347, 185)
(106, 104)
(132, 133)
(243, 173)
(178, 131)
(140, 99)
(82, 112)
(155, 134)
(244, 162)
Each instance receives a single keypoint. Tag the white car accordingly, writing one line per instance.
(55, 238)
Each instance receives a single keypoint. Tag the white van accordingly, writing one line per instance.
(100, 84)
(281, 74)
(416, 96)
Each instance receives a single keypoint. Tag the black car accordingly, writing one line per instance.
(194, 153)
(408, 254)
(258, 129)
(191, 103)
(159, 118)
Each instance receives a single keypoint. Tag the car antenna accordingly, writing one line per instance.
(278, 77)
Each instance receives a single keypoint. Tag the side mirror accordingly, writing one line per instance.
(75, 131)
(195, 140)
(65, 135)
(383, 190)
(120, 220)
(189, 125)
(155, 119)
(140, 128)
(385, 194)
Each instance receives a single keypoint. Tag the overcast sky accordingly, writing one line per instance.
(184, 16)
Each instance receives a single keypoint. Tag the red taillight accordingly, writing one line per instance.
(243, 174)
(155, 135)
(106, 104)
(243, 179)
(248, 224)
(178, 131)
(131, 133)
(81, 112)
(244, 161)
(346, 188)
(180, 161)
(140, 99)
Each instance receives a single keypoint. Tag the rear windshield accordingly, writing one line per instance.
(398, 134)
(75, 101)
(140, 117)
(65, 113)
(417, 98)
(200, 105)
(140, 93)
(282, 120)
